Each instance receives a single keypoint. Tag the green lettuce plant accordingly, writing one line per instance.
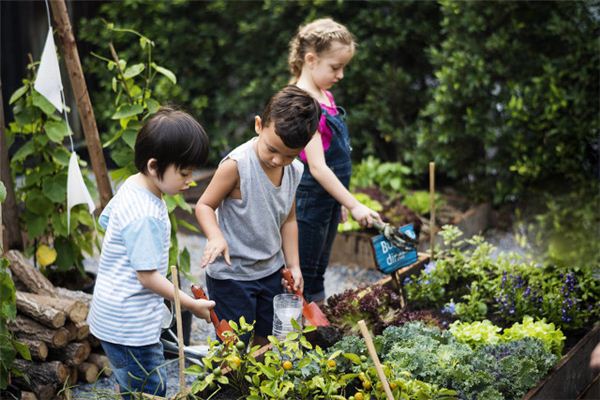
(551, 336)
(476, 334)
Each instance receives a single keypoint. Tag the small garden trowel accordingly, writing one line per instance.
(311, 311)
(221, 326)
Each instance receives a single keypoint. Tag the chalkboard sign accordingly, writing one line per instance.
(388, 257)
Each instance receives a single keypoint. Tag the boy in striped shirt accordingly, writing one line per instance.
(126, 309)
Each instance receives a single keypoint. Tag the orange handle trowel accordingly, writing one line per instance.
(311, 311)
(221, 326)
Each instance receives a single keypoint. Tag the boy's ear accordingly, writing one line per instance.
(257, 125)
(152, 167)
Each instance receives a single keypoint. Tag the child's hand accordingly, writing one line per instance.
(213, 249)
(343, 214)
(364, 215)
(298, 281)
(201, 308)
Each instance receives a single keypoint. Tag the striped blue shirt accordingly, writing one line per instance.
(137, 239)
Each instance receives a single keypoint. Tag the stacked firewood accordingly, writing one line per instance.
(51, 322)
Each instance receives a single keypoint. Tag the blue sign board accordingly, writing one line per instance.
(388, 257)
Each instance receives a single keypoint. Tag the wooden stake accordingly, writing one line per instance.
(175, 279)
(431, 208)
(375, 358)
(84, 104)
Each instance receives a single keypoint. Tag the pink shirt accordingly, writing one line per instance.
(323, 129)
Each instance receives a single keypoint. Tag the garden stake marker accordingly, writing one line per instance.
(220, 326)
(311, 312)
(175, 278)
(373, 354)
(431, 207)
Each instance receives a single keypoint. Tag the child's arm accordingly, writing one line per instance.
(160, 285)
(315, 156)
(289, 237)
(222, 184)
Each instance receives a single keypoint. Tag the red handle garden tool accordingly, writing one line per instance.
(311, 312)
(220, 326)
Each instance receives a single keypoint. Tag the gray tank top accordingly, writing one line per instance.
(252, 225)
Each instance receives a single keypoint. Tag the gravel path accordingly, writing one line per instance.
(337, 279)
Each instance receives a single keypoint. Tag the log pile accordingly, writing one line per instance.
(51, 322)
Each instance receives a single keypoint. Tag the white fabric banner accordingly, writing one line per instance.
(48, 82)
(77, 192)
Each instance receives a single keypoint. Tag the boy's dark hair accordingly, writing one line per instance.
(295, 115)
(171, 136)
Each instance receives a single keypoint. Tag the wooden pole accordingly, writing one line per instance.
(175, 279)
(84, 105)
(365, 332)
(431, 208)
(10, 231)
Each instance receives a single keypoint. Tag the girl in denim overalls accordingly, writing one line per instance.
(318, 54)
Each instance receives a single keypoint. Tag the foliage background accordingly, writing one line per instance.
(503, 96)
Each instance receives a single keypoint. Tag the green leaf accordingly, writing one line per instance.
(18, 93)
(7, 293)
(56, 130)
(188, 226)
(22, 349)
(36, 224)
(55, 188)
(152, 105)
(42, 103)
(352, 357)
(61, 156)
(161, 70)
(133, 71)
(38, 203)
(128, 110)
(25, 151)
(129, 136)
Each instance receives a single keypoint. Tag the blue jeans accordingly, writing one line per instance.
(138, 368)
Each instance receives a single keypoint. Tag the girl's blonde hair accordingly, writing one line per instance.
(316, 36)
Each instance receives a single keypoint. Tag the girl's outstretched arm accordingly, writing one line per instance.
(315, 156)
(222, 185)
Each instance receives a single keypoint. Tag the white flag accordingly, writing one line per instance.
(48, 82)
(77, 192)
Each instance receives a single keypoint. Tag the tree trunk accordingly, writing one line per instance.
(101, 361)
(75, 310)
(73, 354)
(78, 295)
(41, 391)
(88, 372)
(43, 313)
(37, 348)
(11, 234)
(84, 105)
(30, 329)
(28, 396)
(28, 275)
(47, 372)
(78, 330)
(73, 376)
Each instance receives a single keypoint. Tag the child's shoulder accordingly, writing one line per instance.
(240, 153)
(134, 202)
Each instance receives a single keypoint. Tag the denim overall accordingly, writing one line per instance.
(318, 213)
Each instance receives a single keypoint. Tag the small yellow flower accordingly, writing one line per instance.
(45, 255)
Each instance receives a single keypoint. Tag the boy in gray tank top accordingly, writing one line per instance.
(248, 215)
